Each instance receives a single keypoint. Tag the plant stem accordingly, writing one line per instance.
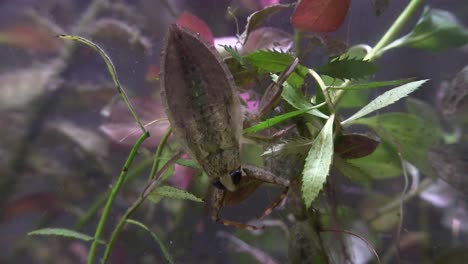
(395, 29)
(157, 155)
(149, 187)
(113, 194)
(99, 203)
(388, 37)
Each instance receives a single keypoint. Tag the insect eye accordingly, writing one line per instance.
(218, 185)
(236, 176)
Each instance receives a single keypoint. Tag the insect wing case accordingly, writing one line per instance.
(201, 102)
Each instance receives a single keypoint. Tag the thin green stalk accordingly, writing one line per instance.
(158, 153)
(111, 68)
(323, 87)
(297, 42)
(135, 205)
(388, 37)
(395, 29)
(99, 203)
(113, 194)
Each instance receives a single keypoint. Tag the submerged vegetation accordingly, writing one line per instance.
(375, 175)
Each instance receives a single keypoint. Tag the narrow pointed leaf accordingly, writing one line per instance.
(171, 192)
(371, 85)
(317, 164)
(62, 232)
(385, 99)
(275, 120)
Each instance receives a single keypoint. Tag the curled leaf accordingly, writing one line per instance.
(259, 17)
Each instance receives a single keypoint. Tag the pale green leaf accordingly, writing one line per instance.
(317, 164)
(155, 237)
(62, 232)
(171, 192)
(436, 30)
(383, 163)
(385, 99)
(407, 134)
(351, 171)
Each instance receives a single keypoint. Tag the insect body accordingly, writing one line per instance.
(205, 113)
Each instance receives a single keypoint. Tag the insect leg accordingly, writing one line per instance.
(217, 204)
(268, 177)
(272, 94)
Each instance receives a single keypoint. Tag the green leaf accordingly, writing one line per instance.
(155, 237)
(273, 61)
(383, 163)
(234, 53)
(370, 85)
(317, 164)
(296, 99)
(351, 171)
(170, 192)
(243, 74)
(350, 99)
(407, 134)
(385, 99)
(275, 120)
(436, 30)
(347, 68)
(62, 232)
(188, 163)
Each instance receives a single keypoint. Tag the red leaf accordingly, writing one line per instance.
(41, 202)
(30, 38)
(355, 146)
(121, 128)
(153, 73)
(320, 15)
(195, 24)
(182, 176)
